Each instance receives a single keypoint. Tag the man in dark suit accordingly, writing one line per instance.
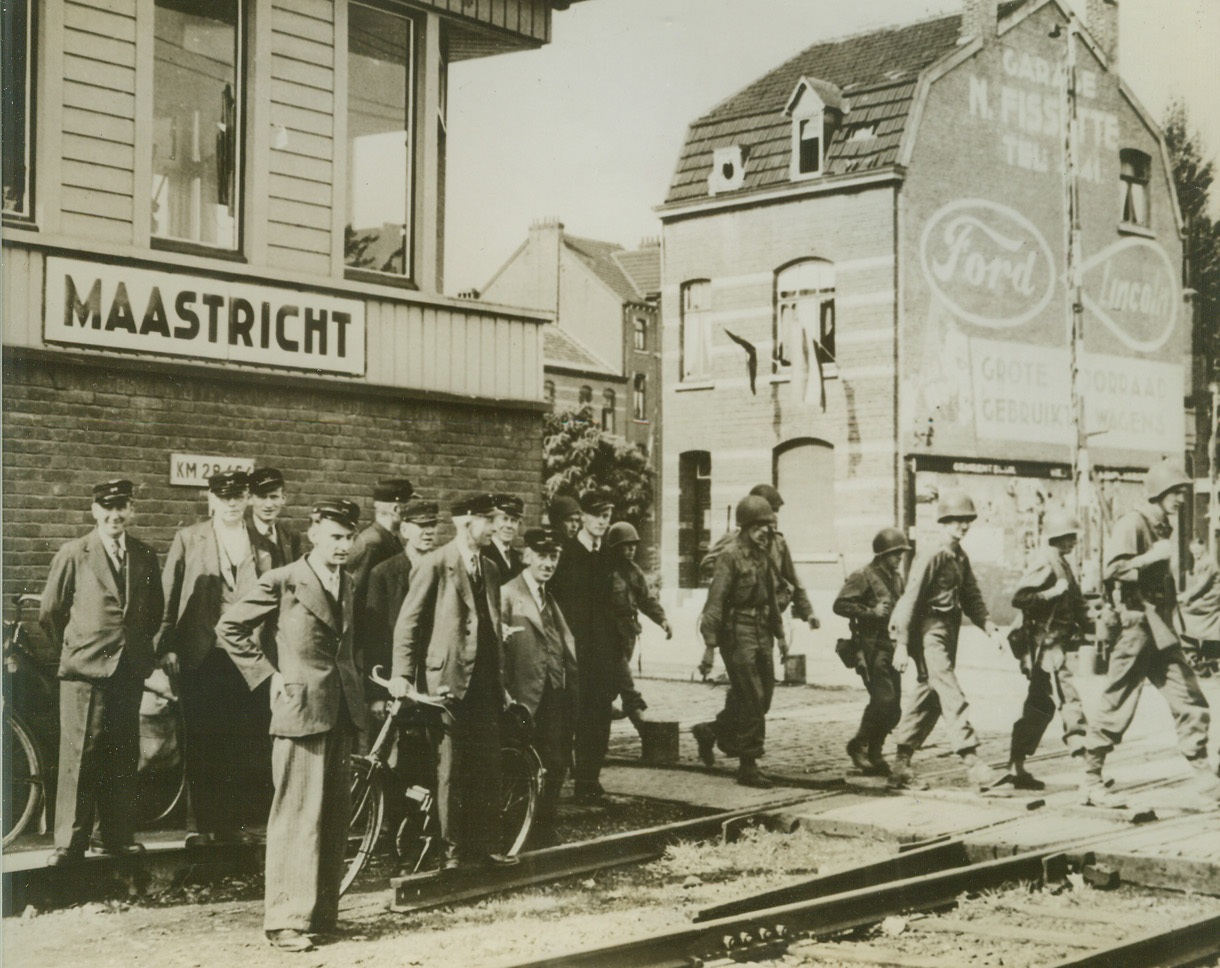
(210, 565)
(279, 542)
(581, 586)
(504, 526)
(540, 669)
(447, 642)
(377, 543)
(101, 608)
(316, 708)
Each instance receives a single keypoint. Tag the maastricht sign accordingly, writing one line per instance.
(104, 306)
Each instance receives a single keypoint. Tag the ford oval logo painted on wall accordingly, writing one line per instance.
(988, 263)
(1132, 289)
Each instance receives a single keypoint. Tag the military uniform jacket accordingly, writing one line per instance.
(630, 594)
(1058, 621)
(527, 644)
(941, 581)
(1201, 603)
(436, 637)
(84, 614)
(790, 591)
(743, 585)
(1132, 535)
(314, 650)
(868, 598)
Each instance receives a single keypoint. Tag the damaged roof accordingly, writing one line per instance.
(562, 349)
(876, 73)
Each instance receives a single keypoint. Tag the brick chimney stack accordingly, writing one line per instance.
(546, 246)
(1101, 17)
(980, 19)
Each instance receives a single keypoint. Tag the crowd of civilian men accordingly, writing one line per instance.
(270, 651)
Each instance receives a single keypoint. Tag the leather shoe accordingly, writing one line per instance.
(198, 840)
(754, 778)
(131, 849)
(65, 857)
(289, 939)
(500, 860)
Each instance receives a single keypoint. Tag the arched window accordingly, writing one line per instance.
(640, 334)
(695, 326)
(609, 424)
(803, 328)
(639, 401)
(586, 394)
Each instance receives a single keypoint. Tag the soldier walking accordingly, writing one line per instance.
(867, 599)
(1055, 620)
(1138, 568)
(925, 624)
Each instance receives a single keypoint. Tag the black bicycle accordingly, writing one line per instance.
(377, 789)
(26, 778)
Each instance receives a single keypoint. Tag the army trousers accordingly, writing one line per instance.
(1052, 684)
(939, 696)
(1136, 659)
(884, 686)
(741, 726)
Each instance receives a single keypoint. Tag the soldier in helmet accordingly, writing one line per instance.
(630, 595)
(1138, 570)
(925, 624)
(1055, 620)
(867, 599)
(742, 620)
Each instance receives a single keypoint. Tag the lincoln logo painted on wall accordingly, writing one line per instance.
(1132, 289)
(988, 263)
(117, 307)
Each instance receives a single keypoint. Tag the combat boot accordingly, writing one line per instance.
(857, 750)
(748, 774)
(1094, 790)
(876, 760)
(902, 777)
(705, 739)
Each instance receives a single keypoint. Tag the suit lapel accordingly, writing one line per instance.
(312, 595)
(457, 569)
(527, 606)
(100, 563)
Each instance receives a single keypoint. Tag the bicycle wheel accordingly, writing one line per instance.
(520, 786)
(368, 809)
(23, 777)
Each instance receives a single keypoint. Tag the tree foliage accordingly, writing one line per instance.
(577, 455)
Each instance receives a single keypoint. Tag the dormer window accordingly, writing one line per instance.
(816, 108)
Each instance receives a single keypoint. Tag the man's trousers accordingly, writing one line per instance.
(1051, 683)
(926, 703)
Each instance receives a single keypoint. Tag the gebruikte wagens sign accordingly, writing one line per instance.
(119, 307)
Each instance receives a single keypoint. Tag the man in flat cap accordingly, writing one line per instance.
(210, 565)
(317, 707)
(540, 669)
(499, 550)
(101, 607)
(565, 517)
(447, 642)
(279, 542)
(378, 542)
(581, 586)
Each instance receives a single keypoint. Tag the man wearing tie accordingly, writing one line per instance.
(210, 565)
(101, 607)
(272, 538)
(540, 669)
(317, 706)
(499, 550)
(447, 641)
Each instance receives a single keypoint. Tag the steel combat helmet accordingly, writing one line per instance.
(889, 539)
(1060, 524)
(621, 533)
(753, 509)
(955, 505)
(1164, 477)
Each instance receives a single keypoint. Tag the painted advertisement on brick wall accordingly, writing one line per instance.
(986, 311)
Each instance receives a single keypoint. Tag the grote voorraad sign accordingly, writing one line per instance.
(105, 306)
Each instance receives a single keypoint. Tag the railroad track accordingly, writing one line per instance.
(885, 913)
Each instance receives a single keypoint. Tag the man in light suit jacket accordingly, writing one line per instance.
(317, 706)
(540, 669)
(210, 565)
(447, 642)
(101, 607)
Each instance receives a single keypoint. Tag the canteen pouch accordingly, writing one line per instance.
(848, 652)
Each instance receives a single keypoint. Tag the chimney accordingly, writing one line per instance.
(979, 19)
(546, 244)
(1102, 21)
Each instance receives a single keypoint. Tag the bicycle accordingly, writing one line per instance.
(25, 778)
(417, 833)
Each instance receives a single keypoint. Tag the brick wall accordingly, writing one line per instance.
(69, 424)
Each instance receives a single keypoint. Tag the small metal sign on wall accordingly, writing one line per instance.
(193, 470)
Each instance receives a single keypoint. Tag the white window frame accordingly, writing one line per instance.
(804, 306)
(695, 328)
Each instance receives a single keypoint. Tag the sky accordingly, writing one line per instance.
(588, 129)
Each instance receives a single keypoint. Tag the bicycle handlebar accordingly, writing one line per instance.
(377, 675)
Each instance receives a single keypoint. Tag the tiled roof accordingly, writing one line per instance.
(600, 257)
(561, 348)
(877, 74)
(643, 267)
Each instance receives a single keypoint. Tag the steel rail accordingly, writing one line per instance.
(765, 933)
(1183, 945)
(419, 892)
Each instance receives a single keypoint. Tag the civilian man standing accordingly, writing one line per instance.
(447, 642)
(210, 565)
(377, 543)
(101, 607)
(581, 586)
(316, 708)
(540, 669)
(277, 541)
(499, 550)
